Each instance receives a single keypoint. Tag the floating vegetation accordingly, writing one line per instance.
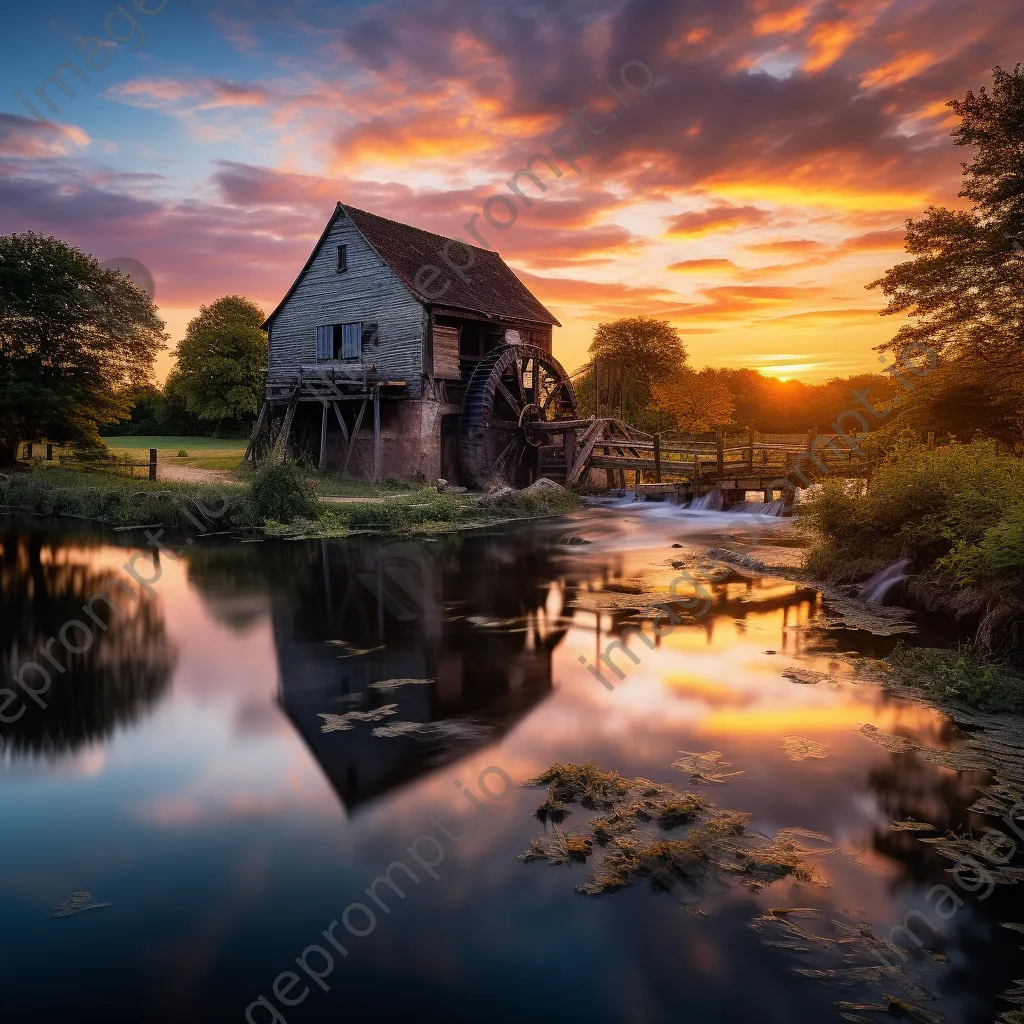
(845, 612)
(800, 748)
(859, 957)
(704, 767)
(457, 729)
(807, 676)
(77, 904)
(912, 826)
(486, 622)
(345, 722)
(348, 651)
(890, 741)
(717, 846)
(387, 685)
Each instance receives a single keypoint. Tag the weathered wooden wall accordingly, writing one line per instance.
(369, 292)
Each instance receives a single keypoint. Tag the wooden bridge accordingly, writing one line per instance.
(727, 461)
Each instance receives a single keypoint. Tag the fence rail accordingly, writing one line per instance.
(104, 464)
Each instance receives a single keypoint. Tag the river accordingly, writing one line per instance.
(198, 771)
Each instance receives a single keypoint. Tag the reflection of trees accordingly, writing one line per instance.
(44, 583)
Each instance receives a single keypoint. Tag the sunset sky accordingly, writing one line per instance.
(747, 196)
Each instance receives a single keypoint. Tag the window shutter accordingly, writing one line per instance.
(325, 342)
(351, 341)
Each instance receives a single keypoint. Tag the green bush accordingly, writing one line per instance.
(957, 512)
(281, 493)
(966, 675)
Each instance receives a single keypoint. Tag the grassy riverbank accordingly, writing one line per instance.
(957, 514)
(965, 675)
(280, 500)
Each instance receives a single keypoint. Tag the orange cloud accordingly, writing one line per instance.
(713, 220)
(905, 66)
(828, 42)
(699, 266)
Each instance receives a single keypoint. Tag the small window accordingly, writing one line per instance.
(342, 341)
(342, 258)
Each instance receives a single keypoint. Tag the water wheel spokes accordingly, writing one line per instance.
(511, 387)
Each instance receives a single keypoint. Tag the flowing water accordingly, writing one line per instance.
(873, 590)
(262, 730)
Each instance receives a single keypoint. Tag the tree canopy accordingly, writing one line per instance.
(697, 400)
(633, 354)
(962, 289)
(221, 360)
(75, 342)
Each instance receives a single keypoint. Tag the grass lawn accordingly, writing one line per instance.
(203, 452)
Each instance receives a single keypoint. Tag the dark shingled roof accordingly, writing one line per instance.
(492, 288)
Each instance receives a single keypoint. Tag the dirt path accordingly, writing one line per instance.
(193, 475)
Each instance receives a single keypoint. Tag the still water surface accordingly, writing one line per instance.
(180, 773)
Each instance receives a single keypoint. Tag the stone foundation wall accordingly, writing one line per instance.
(411, 441)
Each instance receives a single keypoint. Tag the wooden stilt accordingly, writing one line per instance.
(322, 464)
(286, 427)
(251, 450)
(376, 435)
(352, 438)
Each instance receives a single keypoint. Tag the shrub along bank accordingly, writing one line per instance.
(956, 512)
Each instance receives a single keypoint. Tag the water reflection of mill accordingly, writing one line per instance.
(479, 617)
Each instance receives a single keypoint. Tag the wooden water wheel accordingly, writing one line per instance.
(512, 387)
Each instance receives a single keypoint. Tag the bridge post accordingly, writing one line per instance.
(812, 436)
(750, 447)
(720, 451)
(657, 458)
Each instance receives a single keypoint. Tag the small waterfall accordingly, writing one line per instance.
(710, 502)
(760, 508)
(873, 591)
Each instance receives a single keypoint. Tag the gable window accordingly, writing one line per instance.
(342, 259)
(344, 341)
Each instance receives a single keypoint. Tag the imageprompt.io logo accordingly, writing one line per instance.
(138, 272)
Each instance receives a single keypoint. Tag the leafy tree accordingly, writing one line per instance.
(633, 354)
(698, 401)
(963, 288)
(221, 360)
(75, 341)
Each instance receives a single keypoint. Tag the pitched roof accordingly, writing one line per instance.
(492, 288)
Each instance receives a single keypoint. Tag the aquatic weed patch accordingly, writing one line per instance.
(626, 842)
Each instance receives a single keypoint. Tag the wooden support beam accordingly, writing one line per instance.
(257, 427)
(341, 423)
(352, 438)
(286, 428)
(152, 464)
(376, 435)
(657, 458)
(720, 450)
(750, 445)
(322, 463)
